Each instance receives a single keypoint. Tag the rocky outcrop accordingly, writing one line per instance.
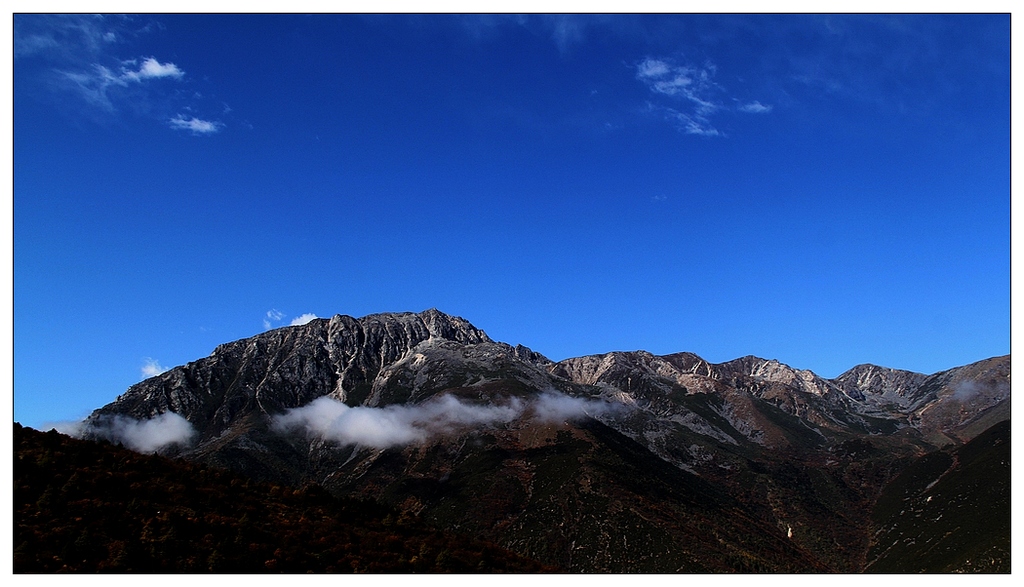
(347, 358)
(894, 386)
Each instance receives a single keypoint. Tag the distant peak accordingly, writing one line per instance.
(865, 369)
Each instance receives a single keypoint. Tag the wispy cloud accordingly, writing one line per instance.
(92, 85)
(151, 368)
(690, 123)
(566, 31)
(97, 84)
(399, 425)
(899, 64)
(392, 425)
(558, 407)
(82, 56)
(63, 37)
(692, 92)
(755, 107)
(691, 86)
(145, 436)
(272, 317)
(195, 125)
(691, 82)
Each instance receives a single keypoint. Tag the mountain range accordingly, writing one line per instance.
(618, 462)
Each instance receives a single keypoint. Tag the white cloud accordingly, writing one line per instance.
(152, 368)
(145, 436)
(303, 319)
(693, 85)
(652, 69)
(693, 94)
(755, 107)
(275, 316)
(693, 123)
(694, 126)
(197, 126)
(78, 56)
(673, 82)
(687, 81)
(399, 425)
(391, 425)
(151, 68)
(272, 316)
(558, 407)
(94, 85)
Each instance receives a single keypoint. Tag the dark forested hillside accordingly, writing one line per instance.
(949, 511)
(83, 506)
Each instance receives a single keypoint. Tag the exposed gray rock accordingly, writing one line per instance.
(288, 367)
(391, 358)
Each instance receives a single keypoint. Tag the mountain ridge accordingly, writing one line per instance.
(455, 416)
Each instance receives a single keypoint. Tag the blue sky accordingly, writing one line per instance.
(822, 190)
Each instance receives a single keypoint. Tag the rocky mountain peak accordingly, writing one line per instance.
(291, 366)
(430, 323)
(868, 378)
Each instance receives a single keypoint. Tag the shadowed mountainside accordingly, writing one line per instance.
(82, 507)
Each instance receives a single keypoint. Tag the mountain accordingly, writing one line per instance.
(624, 461)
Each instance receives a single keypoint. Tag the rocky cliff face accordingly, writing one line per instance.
(866, 398)
(368, 361)
(799, 457)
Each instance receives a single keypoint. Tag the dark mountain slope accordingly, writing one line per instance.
(948, 511)
(88, 507)
(578, 495)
